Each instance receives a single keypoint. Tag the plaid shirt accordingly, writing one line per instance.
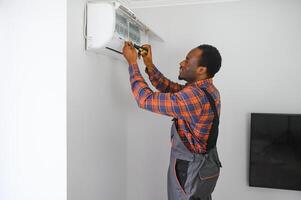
(187, 103)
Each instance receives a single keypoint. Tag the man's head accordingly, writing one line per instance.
(201, 62)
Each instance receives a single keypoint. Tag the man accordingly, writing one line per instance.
(195, 107)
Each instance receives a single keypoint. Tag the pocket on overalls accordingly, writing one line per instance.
(207, 179)
(181, 168)
(172, 140)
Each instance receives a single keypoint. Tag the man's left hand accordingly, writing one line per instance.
(130, 53)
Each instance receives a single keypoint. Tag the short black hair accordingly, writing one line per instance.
(210, 58)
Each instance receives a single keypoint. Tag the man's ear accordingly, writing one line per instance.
(201, 70)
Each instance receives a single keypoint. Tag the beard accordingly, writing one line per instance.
(180, 78)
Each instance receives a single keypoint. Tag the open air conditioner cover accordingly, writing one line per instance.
(109, 24)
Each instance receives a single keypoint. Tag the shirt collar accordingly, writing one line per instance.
(200, 83)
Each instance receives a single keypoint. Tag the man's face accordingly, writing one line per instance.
(188, 67)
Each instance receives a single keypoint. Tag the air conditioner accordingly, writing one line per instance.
(108, 24)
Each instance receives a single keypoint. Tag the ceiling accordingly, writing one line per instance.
(161, 3)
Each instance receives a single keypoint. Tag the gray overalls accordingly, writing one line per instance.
(203, 169)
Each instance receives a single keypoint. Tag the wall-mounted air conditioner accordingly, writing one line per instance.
(108, 24)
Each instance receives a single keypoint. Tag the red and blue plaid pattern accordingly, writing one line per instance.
(187, 103)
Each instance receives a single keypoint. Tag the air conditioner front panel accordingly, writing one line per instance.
(101, 19)
(109, 24)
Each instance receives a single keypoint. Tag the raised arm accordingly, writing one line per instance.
(183, 104)
(158, 80)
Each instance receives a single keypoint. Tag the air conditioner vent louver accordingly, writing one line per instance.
(134, 33)
(121, 25)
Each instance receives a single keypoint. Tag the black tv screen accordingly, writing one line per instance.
(275, 151)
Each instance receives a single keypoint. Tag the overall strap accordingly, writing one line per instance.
(211, 143)
(212, 104)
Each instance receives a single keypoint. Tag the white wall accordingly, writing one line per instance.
(116, 150)
(260, 45)
(98, 98)
(33, 100)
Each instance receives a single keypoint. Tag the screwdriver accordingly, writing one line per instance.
(140, 49)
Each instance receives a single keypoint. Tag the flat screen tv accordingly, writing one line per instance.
(275, 151)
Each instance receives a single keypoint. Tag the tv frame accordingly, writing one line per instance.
(250, 148)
